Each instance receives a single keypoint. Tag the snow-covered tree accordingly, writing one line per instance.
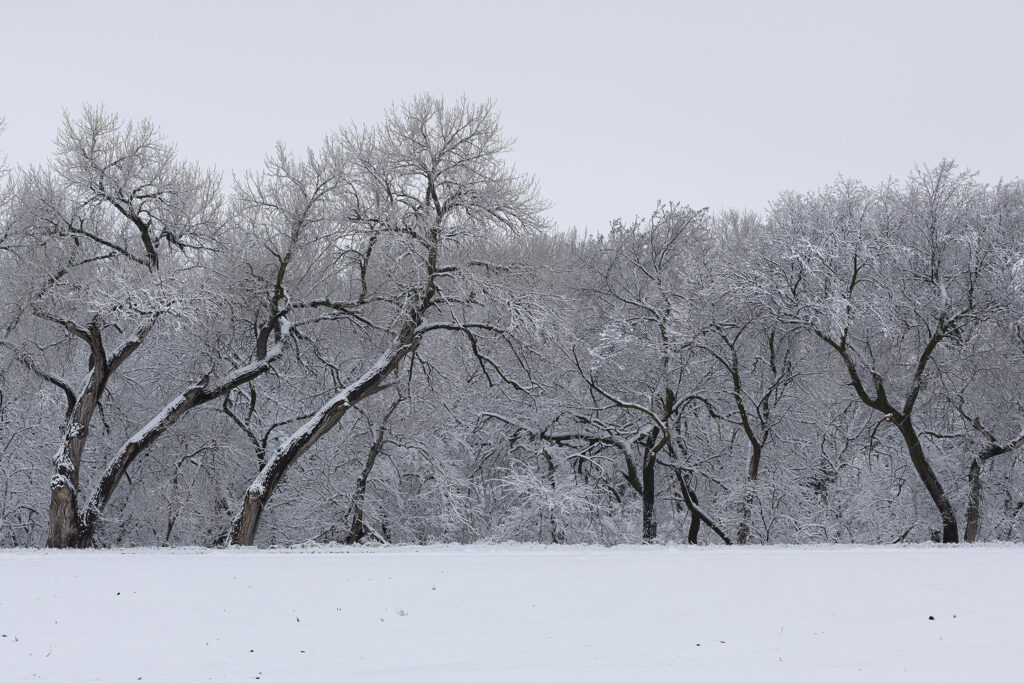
(420, 192)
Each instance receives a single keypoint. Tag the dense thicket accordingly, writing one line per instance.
(383, 340)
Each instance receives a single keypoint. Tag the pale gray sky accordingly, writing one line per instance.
(614, 104)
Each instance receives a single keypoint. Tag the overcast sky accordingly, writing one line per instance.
(614, 105)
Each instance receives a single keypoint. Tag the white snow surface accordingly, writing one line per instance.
(514, 613)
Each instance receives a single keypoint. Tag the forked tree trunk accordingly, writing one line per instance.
(697, 515)
(357, 530)
(194, 396)
(66, 520)
(693, 534)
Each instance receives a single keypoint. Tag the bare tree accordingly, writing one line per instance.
(420, 187)
(880, 279)
(639, 374)
(106, 233)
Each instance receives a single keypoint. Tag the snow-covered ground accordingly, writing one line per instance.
(515, 613)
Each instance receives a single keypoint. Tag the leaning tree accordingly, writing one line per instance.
(424, 194)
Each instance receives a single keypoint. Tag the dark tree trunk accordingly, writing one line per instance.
(243, 530)
(694, 532)
(556, 535)
(950, 532)
(196, 395)
(753, 466)
(650, 520)
(698, 515)
(973, 525)
(973, 528)
(357, 530)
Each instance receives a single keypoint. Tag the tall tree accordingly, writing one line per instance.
(109, 233)
(421, 189)
(891, 281)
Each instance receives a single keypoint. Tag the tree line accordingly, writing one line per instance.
(385, 340)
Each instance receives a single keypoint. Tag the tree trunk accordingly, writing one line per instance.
(556, 535)
(194, 396)
(950, 533)
(246, 524)
(973, 503)
(64, 529)
(650, 520)
(743, 531)
(66, 521)
(65, 525)
(753, 466)
(358, 530)
(690, 498)
(131, 449)
(693, 535)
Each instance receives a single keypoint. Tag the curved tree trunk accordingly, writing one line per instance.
(192, 397)
(950, 532)
(246, 524)
(131, 449)
(196, 395)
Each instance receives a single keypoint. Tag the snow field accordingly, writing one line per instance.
(514, 613)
